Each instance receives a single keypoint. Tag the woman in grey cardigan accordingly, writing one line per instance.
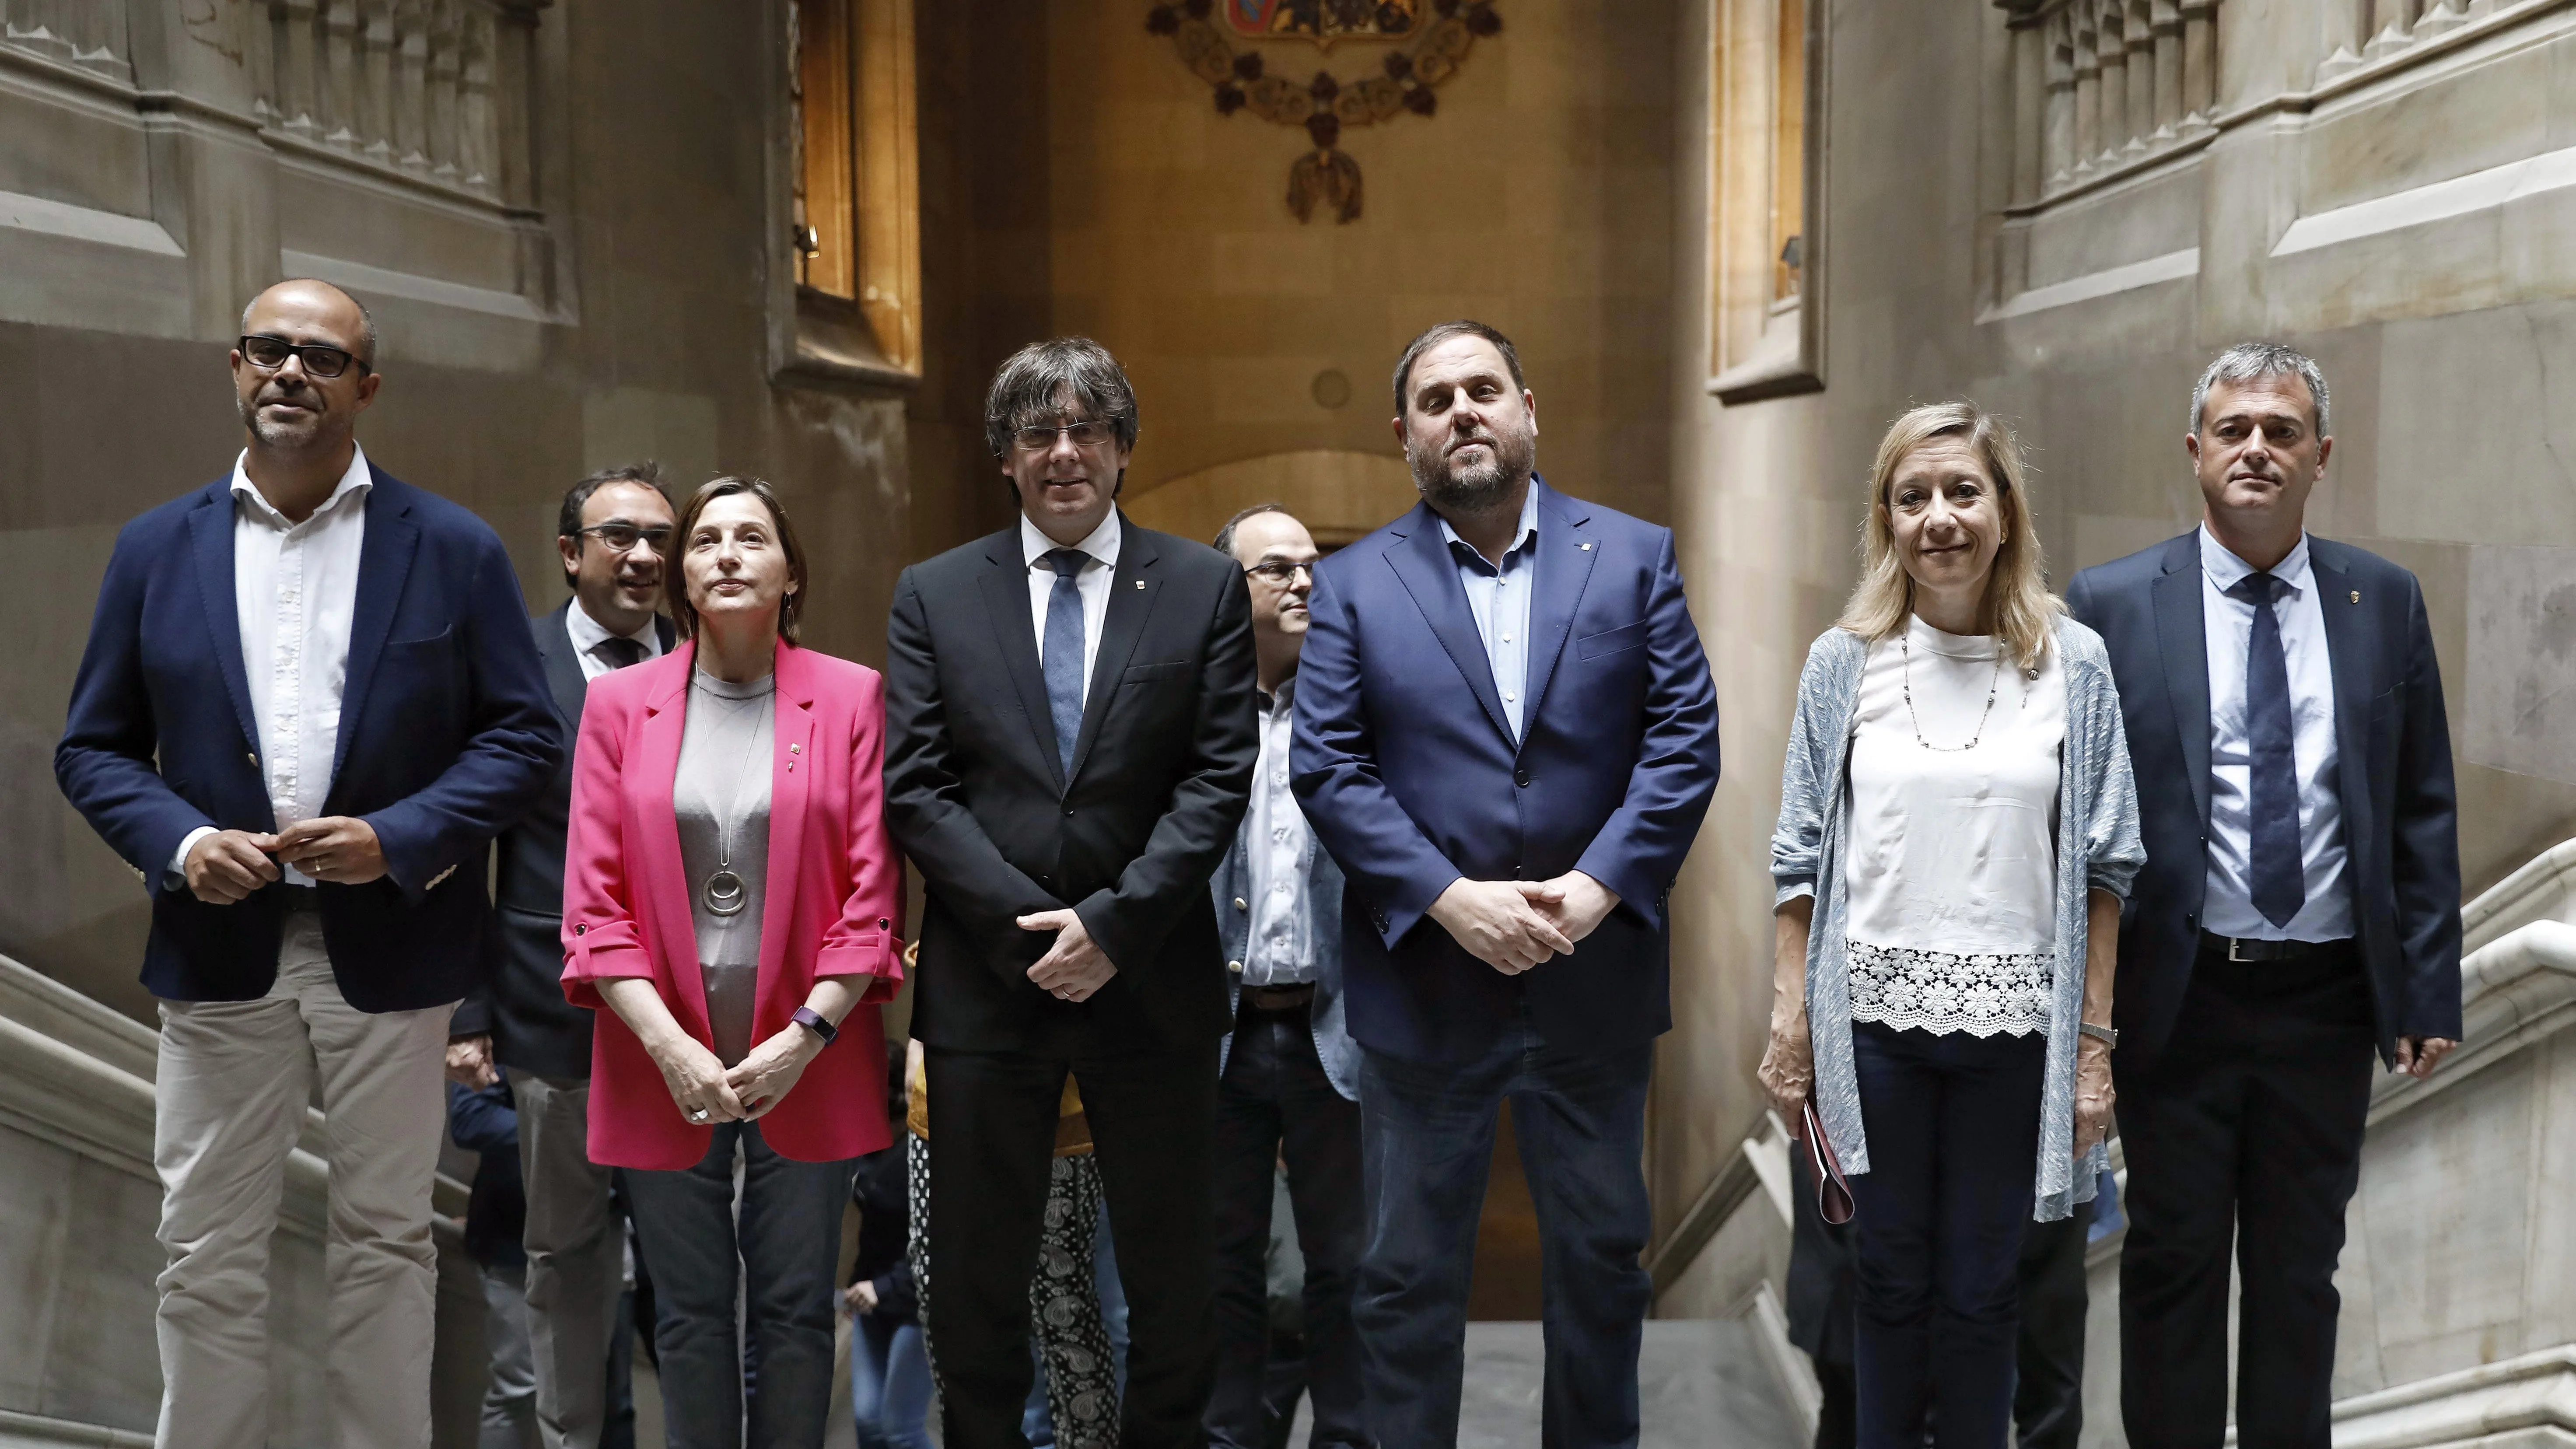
(1957, 829)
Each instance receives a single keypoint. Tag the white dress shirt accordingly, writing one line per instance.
(588, 634)
(295, 597)
(1280, 948)
(2229, 627)
(1500, 600)
(1092, 583)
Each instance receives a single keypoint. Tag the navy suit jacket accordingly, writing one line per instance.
(445, 738)
(2393, 769)
(1410, 776)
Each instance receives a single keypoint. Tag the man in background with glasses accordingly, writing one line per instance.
(1069, 742)
(613, 534)
(309, 698)
(1288, 1076)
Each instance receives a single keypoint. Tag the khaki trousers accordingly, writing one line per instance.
(235, 1078)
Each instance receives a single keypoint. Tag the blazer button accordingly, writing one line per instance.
(1239, 905)
(252, 758)
(1521, 778)
(1068, 812)
(581, 930)
(1234, 966)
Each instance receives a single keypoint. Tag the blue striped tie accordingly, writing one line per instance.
(2275, 875)
(1064, 653)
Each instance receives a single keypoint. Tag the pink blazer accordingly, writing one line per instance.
(833, 906)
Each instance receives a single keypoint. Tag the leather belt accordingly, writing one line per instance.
(299, 898)
(2247, 949)
(1279, 998)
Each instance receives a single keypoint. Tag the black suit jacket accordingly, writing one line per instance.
(976, 796)
(2393, 744)
(521, 1002)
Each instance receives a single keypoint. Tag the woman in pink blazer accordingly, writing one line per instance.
(732, 899)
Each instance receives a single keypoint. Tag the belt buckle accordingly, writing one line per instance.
(2233, 943)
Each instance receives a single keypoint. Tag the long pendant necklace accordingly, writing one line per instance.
(724, 893)
(1905, 646)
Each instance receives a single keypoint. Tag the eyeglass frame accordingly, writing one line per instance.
(301, 352)
(662, 545)
(1282, 572)
(1019, 436)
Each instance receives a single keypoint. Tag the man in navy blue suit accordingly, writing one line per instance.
(1506, 735)
(2299, 910)
(309, 696)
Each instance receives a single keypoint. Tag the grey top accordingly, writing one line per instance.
(721, 796)
(2098, 847)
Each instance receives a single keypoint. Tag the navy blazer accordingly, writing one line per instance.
(2393, 770)
(445, 738)
(1232, 889)
(1409, 775)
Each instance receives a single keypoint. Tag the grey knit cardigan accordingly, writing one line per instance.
(2098, 846)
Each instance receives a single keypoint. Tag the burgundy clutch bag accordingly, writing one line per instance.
(1833, 1190)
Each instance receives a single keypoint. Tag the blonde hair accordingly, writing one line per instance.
(2018, 607)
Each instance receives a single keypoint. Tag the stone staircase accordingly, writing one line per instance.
(1700, 1382)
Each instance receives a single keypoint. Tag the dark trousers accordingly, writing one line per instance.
(993, 1116)
(1953, 1128)
(779, 1255)
(2246, 1130)
(1274, 1101)
(1427, 1145)
(2048, 1403)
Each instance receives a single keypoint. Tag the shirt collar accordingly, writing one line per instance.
(588, 633)
(2226, 570)
(1284, 697)
(1520, 537)
(1101, 543)
(356, 482)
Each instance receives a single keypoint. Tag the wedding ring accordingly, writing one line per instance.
(697, 1114)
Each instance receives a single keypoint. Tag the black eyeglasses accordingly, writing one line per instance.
(1084, 435)
(268, 354)
(1280, 572)
(622, 537)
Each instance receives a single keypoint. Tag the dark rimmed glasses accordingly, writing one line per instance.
(622, 537)
(268, 354)
(1281, 572)
(1084, 435)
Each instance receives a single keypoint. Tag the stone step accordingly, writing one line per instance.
(1700, 1382)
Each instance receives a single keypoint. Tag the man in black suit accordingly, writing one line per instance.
(1069, 747)
(614, 535)
(2300, 907)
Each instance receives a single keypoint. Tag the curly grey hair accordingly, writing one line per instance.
(1040, 380)
(2247, 361)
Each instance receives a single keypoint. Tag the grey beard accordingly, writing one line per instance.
(1476, 487)
(274, 435)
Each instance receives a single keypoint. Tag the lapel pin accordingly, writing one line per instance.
(1140, 586)
(795, 749)
(1587, 548)
(2356, 596)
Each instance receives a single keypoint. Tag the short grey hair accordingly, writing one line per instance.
(1440, 332)
(2247, 361)
(1225, 536)
(366, 319)
(1041, 379)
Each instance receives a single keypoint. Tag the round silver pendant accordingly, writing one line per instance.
(724, 894)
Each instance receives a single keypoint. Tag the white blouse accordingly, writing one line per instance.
(1951, 872)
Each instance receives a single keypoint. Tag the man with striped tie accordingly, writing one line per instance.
(2300, 907)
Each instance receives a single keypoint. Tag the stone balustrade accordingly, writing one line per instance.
(2102, 86)
(432, 91)
(88, 34)
(2366, 32)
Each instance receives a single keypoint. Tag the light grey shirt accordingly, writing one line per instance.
(1280, 949)
(2098, 847)
(721, 797)
(2228, 625)
(1500, 600)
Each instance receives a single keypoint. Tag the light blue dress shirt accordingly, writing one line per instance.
(1500, 600)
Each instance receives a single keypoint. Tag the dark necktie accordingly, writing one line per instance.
(620, 651)
(2274, 871)
(1064, 652)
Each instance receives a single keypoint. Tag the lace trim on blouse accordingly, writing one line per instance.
(1941, 991)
